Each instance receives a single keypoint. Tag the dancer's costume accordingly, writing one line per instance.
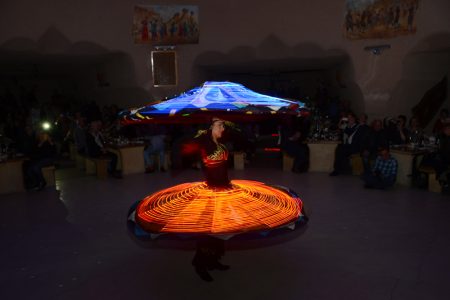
(217, 207)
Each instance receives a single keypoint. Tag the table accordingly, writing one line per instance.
(405, 157)
(11, 176)
(321, 155)
(130, 157)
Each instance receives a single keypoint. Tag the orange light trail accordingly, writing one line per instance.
(197, 208)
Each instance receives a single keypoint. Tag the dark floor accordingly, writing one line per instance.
(72, 243)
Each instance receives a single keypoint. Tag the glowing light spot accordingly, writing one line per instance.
(46, 125)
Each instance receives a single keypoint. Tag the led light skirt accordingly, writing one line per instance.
(233, 100)
(197, 208)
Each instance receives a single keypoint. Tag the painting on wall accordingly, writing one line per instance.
(164, 68)
(165, 24)
(379, 19)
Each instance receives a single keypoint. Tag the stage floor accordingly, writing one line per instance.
(72, 243)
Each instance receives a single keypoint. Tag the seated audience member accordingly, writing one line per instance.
(415, 131)
(251, 132)
(12, 126)
(294, 132)
(398, 134)
(43, 156)
(384, 171)
(95, 148)
(156, 146)
(443, 170)
(375, 139)
(363, 127)
(351, 144)
(440, 160)
(441, 121)
(79, 135)
(62, 134)
(237, 140)
(91, 112)
(26, 141)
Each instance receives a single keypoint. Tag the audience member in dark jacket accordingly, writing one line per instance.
(95, 148)
(363, 129)
(375, 139)
(26, 141)
(398, 133)
(440, 160)
(43, 156)
(293, 134)
(79, 135)
(352, 143)
(443, 169)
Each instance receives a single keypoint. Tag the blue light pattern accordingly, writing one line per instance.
(214, 96)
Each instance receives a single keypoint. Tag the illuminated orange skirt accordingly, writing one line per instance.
(196, 208)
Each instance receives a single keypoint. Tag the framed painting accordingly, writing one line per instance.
(165, 24)
(164, 68)
(379, 19)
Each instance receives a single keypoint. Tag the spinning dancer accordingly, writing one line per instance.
(217, 209)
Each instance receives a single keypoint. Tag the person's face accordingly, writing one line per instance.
(384, 154)
(351, 119)
(217, 129)
(362, 119)
(377, 126)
